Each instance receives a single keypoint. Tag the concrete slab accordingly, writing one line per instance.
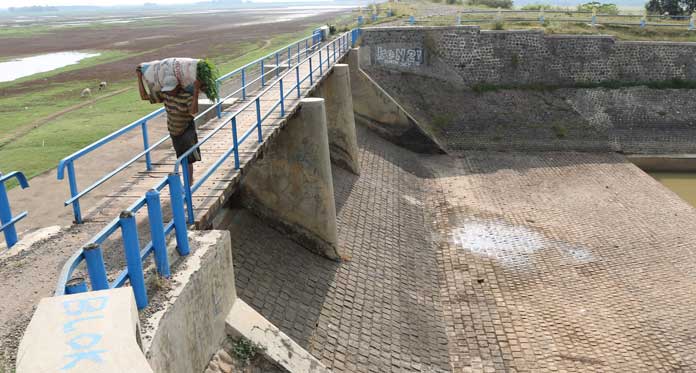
(87, 332)
(243, 321)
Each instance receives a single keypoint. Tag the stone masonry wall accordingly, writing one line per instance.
(430, 71)
(472, 56)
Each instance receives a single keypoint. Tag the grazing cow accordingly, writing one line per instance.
(102, 85)
(86, 92)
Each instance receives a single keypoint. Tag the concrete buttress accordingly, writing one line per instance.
(343, 141)
(291, 185)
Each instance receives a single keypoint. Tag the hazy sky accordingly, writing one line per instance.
(18, 3)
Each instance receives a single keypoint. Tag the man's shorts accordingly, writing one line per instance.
(186, 141)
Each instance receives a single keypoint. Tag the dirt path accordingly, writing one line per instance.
(19, 132)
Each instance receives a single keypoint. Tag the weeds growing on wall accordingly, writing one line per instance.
(244, 350)
(560, 131)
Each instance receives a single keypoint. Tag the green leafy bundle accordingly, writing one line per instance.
(207, 74)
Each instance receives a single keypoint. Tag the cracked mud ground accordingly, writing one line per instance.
(486, 262)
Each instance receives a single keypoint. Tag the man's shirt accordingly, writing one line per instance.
(178, 114)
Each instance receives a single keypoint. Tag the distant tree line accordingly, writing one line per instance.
(35, 8)
(671, 7)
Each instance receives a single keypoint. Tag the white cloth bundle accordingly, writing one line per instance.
(165, 75)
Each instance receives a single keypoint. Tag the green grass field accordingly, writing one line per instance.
(41, 148)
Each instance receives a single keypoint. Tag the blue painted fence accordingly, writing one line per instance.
(290, 54)
(288, 83)
(7, 221)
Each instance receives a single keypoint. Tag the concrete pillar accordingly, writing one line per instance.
(343, 141)
(291, 184)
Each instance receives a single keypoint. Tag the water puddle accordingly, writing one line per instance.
(681, 183)
(513, 246)
(19, 68)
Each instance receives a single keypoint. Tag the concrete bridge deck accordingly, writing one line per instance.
(210, 197)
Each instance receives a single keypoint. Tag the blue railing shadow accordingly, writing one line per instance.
(7, 221)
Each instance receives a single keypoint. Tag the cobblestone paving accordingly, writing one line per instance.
(378, 311)
(563, 262)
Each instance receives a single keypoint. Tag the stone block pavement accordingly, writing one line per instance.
(569, 262)
(379, 310)
(488, 262)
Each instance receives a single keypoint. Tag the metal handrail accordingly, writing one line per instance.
(91, 253)
(343, 42)
(7, 221)
(594, 20)
(69, 162)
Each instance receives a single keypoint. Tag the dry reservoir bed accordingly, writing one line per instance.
(504, 262)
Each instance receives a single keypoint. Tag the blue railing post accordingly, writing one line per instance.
(328, 57)
(282, 98)
(146, 145)
(306, 47)
(277, 64)
(129, 230)
(236, 142)
(258, 119)
(299, 55)
(334, 51)
(412, 20)
(243, 84)
(177, 203)
(263, 75)
(75, 286)
(218, 109)
(159, 244)
(72, 180)
(95, 267)
(187, 191)
(321, 64)
(289, 57)
(297, 74)
(6, 217)
(311, 72)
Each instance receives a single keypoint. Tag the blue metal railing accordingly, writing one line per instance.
(91, 254)
(69, 162)
(333, 52)
(7, 221)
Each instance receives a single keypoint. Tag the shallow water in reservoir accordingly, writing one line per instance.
(681, 183)
(21, 67)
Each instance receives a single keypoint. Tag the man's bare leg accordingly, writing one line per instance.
(190, 172)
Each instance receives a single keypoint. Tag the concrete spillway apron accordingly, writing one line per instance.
(291, 186)
(343, 141)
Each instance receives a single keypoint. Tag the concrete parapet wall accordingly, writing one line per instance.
(84, 333)
(188, 324)
(467, 55)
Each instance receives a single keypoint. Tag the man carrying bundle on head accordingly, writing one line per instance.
(177, 82)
